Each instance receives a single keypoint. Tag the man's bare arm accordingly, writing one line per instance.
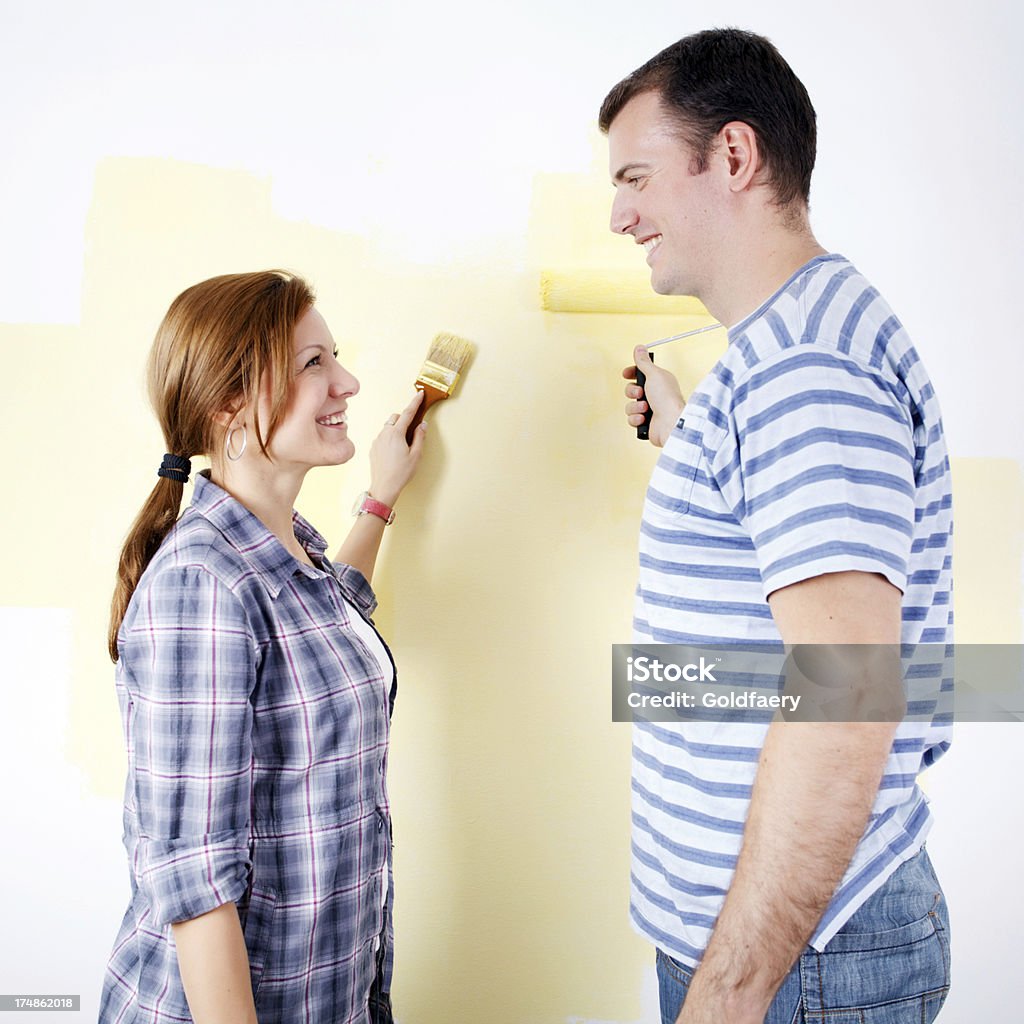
(812, 797)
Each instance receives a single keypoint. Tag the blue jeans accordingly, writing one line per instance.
(889, 964)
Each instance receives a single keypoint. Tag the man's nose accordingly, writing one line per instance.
(624, 215)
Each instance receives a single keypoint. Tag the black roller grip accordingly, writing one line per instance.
(643, 432)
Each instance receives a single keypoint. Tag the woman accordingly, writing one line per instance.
(254, 691)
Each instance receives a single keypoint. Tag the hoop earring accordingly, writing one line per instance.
(227, 443)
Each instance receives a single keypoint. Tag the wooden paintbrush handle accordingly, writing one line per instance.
(430, 396)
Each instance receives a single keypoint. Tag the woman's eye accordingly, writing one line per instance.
(315, 361)
(335, 353)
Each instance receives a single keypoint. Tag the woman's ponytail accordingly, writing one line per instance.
(151, 525)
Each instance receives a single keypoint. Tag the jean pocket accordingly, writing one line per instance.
(678, 972)
(906, 965)
(673, 984)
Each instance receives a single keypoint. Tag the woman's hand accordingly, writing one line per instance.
(661, 394)
(392, 461)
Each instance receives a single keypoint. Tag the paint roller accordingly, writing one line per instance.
(599, 291)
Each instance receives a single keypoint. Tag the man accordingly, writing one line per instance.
(802, 496)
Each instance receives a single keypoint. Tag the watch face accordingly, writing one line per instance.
(357, 508)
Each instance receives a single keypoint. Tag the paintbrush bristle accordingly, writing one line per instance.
(450, 351)
(447, 356)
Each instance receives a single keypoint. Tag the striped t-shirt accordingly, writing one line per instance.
(815, 445)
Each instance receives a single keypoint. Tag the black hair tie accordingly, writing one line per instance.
(175, 467)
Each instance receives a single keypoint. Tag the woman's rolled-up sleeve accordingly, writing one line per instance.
(357, 588)
(188, 662)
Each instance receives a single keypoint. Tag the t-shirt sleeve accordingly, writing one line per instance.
(188, 662)
(817, 462)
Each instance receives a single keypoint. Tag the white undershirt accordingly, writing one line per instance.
(369, 636)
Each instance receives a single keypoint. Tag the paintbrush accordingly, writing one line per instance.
(643, 432)
(439, 374)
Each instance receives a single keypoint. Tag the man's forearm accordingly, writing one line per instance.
(815, 785)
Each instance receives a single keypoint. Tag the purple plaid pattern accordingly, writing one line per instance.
(256, 723)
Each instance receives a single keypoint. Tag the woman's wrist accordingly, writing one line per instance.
(387, 495)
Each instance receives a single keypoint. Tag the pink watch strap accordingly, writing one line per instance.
(377, 508)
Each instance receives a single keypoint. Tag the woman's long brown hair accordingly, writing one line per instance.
(210, 354)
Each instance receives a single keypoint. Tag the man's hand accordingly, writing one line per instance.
(661, 393)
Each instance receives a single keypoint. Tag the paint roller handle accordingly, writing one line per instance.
(643, 432)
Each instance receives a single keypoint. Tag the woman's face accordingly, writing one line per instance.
(314, 430)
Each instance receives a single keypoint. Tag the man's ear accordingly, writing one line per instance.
(739, 145)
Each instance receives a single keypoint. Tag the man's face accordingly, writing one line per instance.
(666, 208)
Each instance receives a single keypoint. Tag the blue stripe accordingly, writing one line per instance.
(823, 513)
(824, 300)
(809, 358)
(676, 468)
(851, 439)
(663, 903)
(673, 946)
(710, 821)
(691, 853)
(836, 549)
(848, 331)
(817, 397)
(710, 751)
(821, 474)
(907, 744)
(882, 339)
(778, 326)
(718, 419)
(683, 604)
(660, 635)
(896, 780)
(677, 505)
(906, 364)
(933, 508)
(934, 540)
(677, 883)
(929, 476)
(733, 790)
(701, 572)
(746, 350)
(695, 540)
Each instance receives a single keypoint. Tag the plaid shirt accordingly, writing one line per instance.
(256, 722)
